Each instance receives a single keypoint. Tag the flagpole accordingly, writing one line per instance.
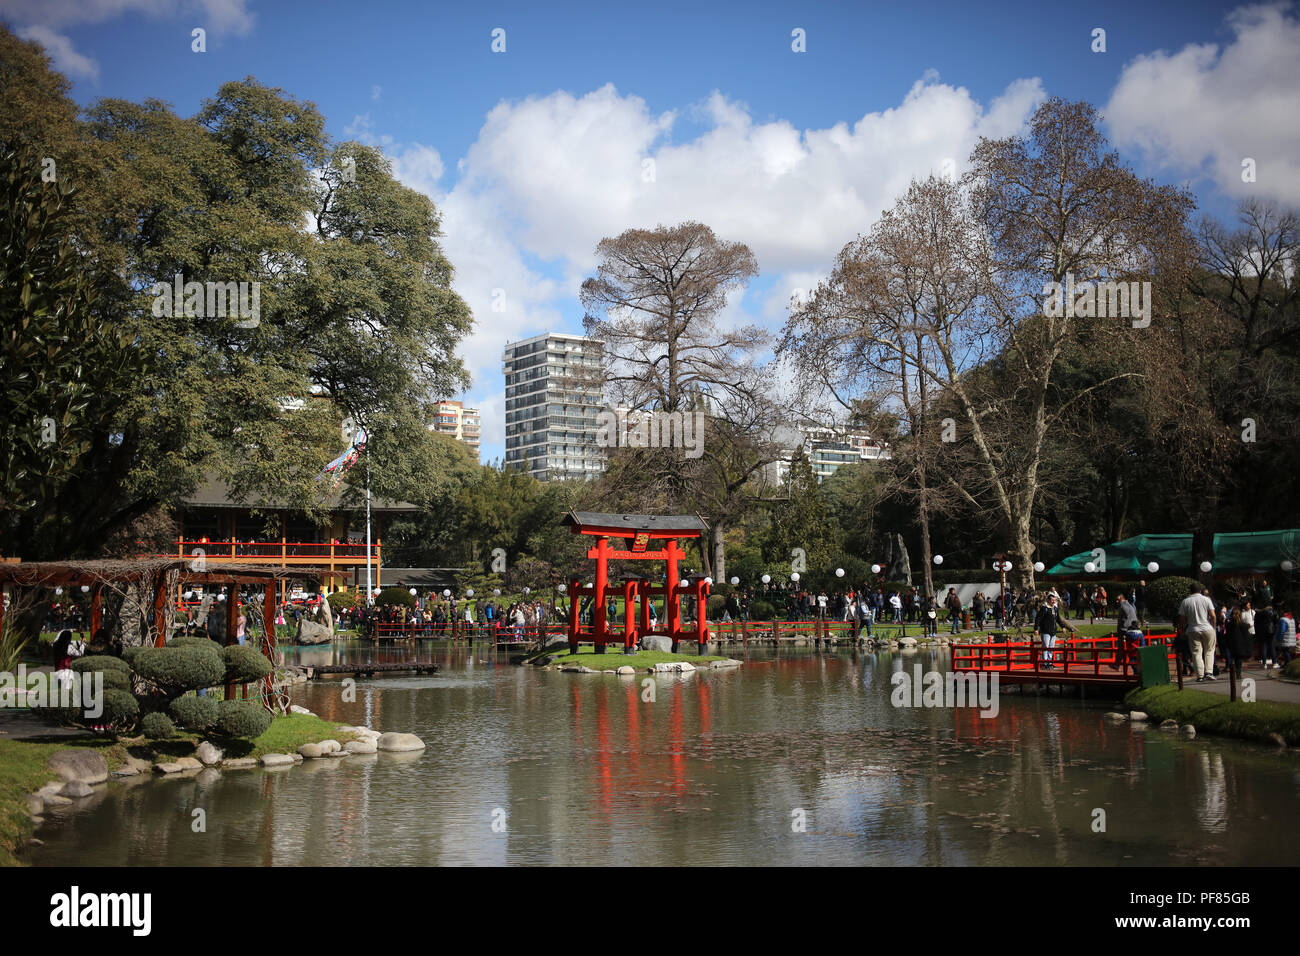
(369, 589)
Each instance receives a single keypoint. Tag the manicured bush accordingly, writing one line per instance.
(194, 713)
(191, 641)
(761, 611)
(399, 596)
(157, 726)
(1165, 594)
(242, 718)
(178, 669)
(245, 664)
(100, 662)
(344, 599)
(717, 604)
(113, 680)
(120, 710)
(128, 653)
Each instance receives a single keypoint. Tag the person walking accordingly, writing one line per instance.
(896, 603)
(1284, 638)
(1126, 627)
(1265, 626)
(1240, 643)
(953, 603)
(977, 609)
(1195, 621)
(1047, 624)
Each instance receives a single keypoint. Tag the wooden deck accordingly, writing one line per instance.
(370, 670)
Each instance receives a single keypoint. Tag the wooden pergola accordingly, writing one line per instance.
(155, 577)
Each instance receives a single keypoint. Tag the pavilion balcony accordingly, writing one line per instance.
(285, 554)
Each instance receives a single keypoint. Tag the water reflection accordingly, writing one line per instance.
(584, 769)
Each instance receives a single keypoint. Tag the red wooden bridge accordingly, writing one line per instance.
(1078, 661)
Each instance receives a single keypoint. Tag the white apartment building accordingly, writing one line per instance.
(826, 450)
(552, 401)
(457, 421)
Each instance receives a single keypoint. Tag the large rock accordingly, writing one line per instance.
(727, 663)
(675, 667)
(330, 746)
(657, 642)
(88, 766)
(907, 642)
(627, 669)
(1137, 716)
(179, 765)
(1188, 731)
(277, 760)
(77, 789)
(34, 804)
(208, 754)
(239, 763)
(312, 751)
(399, 743)
(364, 745)
(1169, 726)
(298, 709)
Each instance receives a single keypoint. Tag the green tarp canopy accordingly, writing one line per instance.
(1173, 552)
(1245, 551)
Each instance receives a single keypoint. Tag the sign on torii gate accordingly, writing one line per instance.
(640, 530)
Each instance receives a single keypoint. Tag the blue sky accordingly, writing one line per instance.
(536, 153)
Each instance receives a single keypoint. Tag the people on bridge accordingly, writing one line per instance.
(1047, 624)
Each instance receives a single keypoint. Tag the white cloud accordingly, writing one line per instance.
(1206, 108)
(376, 91)
(46, 22)
(59, 49)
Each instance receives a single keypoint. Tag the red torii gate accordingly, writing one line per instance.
(641, 530)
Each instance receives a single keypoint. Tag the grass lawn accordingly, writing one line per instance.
(1212, 713)
(23, 762)
(23, 771)
(614, 658)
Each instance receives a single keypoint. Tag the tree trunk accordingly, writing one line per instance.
(719, 555)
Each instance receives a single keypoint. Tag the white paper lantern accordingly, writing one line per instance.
(1040, 567)
(189, 595)
(709, 581)
(1153, 567)
(469, 592)
(221, 597)
(794, 576)
(767, 578)
(684, 583)
(1287, 565)
(875, 569)
(938, 559)
(1090, 567)
(496, 592)
(734, 580)
(839, 572)
(1206, 567)
(58, 590)
(412, 592)
(446, 593)
(85, 588)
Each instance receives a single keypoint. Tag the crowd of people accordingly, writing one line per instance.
(432, 616)
(1250, 627)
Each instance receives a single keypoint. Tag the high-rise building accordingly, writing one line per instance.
(553, 396)
(826, 450)
(459, 422)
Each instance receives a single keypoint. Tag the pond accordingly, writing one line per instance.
(796, 758)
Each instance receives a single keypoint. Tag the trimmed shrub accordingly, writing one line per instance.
(113, 680)
(128, 653)
(120, 710)
(242, 718)
(1165, 594)
(191, 641)
(245, 664)
(157, 726)
(396, 596)
(100, 662)
(178, 669)
(717, 604)
(761, 611)
(344, 599)
(194, 713)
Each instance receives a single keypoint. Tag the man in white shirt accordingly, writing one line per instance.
(1196, 621)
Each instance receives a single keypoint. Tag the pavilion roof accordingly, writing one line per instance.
(659, 526)
(127, 570)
